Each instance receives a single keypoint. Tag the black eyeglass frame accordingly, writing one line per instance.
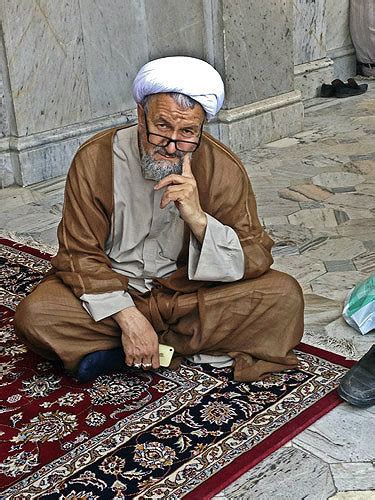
(169, 140)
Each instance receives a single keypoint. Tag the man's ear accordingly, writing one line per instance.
(141, 115)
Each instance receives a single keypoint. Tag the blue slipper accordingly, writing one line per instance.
(100, 363)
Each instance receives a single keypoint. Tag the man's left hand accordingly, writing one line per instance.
(183, 191)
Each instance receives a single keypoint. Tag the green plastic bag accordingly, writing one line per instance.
(359, 307)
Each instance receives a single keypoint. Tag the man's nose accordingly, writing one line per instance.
(171, 148)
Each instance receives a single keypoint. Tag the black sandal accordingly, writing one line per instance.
(349, 89)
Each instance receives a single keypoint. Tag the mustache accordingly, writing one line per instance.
(162, 150)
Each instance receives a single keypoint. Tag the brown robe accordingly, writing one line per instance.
(257, 320)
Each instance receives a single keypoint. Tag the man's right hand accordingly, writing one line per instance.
(139, 339)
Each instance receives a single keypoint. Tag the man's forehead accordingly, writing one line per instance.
(163, 105)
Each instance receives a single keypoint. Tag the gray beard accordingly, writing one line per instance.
(156, 170)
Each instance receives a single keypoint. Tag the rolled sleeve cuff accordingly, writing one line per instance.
(103, 305)
(219, 258)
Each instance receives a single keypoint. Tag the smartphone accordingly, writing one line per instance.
(165, 354)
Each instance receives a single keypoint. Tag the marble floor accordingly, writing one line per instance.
(316, 197)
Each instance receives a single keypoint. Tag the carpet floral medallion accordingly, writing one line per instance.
(168, 434)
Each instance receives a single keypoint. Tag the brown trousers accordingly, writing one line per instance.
(257, 322)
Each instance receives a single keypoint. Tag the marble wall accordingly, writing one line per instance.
(322, 44)
(339, 44)
(4, 128)
(309, 30)
(337, 14)
(70, 66)
(258, 40)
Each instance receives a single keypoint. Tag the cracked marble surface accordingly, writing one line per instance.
(316, 197)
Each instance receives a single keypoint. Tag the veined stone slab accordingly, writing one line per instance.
(359, 229)
(276, 208)
(321, 310)
(287, 474)
(314, 218)
(312, 192)
(336, 285)
(339, 265)
(114, 39)
(303, 268)
(359, 213)
(365, 263)
(354, 476)
(342, 435)
(15, 196)
(309, 30)
(337, 249)
(337, 19)
(292, 195)
(309, 76)
(339, 329)
(269, 120)
(355, 200)
(354, 495)
(276, 220)
(46, 39)
(337, 179)
(283, 143)
(366, 167)
(246, 27)
(368, 187)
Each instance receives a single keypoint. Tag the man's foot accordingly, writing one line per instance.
(358, 385)
(100, 363)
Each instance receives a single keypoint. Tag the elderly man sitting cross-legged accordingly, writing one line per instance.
(160, 242)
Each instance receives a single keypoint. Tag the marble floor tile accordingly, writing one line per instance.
(354, 495)
(370, 245)
(49, 187)
(272, 182)
(340, 330)
(362, 230)
(336, 249)
(47, 236)
(289, 194)
(345, 435)
(287, 474)
(14, 197)
(355, 200)
(365, 262)
(339, 265)
(276, 220)
(288, 234)
(29, 222)
(366, 167)
(311, 204)
(276, 208)
(336, 285)
(315, 193)
(314, 218)
(354, 476)
(367, 187)
(283, 143)
(321, 310)
(358, 213)
(337, 179)
(303, 268)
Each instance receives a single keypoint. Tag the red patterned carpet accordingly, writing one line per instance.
(143, 435)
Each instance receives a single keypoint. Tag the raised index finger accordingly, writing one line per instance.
(186, 166)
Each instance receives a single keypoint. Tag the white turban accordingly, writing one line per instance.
(186, 75)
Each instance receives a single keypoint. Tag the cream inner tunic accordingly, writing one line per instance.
(154, 237)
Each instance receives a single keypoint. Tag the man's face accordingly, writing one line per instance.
(166, 118)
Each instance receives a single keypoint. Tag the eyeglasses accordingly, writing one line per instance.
(161, 140)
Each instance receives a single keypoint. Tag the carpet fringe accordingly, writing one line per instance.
(343, 347)
(29, 240)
